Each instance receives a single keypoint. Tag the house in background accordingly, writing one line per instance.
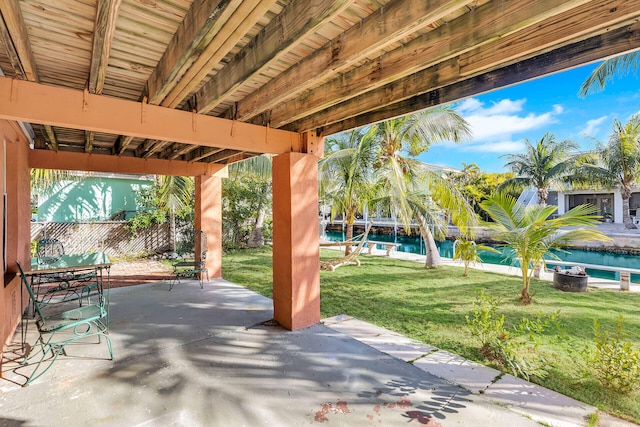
(608, 202)
(96, 197)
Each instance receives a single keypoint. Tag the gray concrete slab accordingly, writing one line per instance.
(539, 403)
(209, 358)
(384, 340)
(458, 370)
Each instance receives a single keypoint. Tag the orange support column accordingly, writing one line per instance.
(296, 252)
(208, 218)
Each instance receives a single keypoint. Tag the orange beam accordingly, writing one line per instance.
(65, 160)
(55, 106)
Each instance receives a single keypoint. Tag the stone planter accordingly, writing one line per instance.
(570, 282)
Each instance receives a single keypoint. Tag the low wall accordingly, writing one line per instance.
(110, 237)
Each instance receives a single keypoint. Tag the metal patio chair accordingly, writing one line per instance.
(195, 269)
(68, 286)
(58, 330)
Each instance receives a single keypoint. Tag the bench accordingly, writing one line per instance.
(625, 273)
(389, 246)
(188, 269)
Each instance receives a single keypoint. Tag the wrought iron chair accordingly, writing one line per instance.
(195, 268)
(58, 330)
(49, 250)
(69, 286)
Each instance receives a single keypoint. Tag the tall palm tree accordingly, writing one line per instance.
(530, 234)
(412, 190)
(547, 163)
(346, 175)
(604, 72)
(176, 192)
(617, 163)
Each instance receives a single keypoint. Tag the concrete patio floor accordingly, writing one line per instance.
(211, 357)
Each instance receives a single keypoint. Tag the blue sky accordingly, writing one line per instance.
(502, 119)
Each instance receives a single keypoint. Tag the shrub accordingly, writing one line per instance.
(615, 362)
(510, 348)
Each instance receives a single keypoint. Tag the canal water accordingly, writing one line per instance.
(414, 244)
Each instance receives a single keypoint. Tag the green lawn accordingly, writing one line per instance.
(430, 306)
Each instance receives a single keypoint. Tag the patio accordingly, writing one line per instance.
(212, 357)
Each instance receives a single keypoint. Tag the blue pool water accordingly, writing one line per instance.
(414, 244)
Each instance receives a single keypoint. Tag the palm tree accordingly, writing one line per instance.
(346, 175)
(530, 234)
(604, 72)
(176, 192)
(467, 251)
(547, 163)
(413, 191)
(617, 164)
(261, 168)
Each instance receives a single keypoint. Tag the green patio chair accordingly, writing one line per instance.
(192, 269)
(66, 286)
(58, 330)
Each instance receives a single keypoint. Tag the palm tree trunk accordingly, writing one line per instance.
(349, 237)
(173, 230)
(257, 239)
(432, 258)
(525, 298)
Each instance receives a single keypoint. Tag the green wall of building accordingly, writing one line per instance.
(91, 199)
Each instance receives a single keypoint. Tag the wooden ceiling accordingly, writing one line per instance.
(319, 66)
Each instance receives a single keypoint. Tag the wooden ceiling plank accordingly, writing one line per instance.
(105, 27)
(202, 152)
(221, 155)
(296, 22)
(141, 149)
(57, 106)
(394, 22)
(17, 31)
(490, 22)
(235, 28)
(88, 145)
(154, 148)
(608, 44)
(121, 144)
(12, 54)
(50, 137)
(443, 83)
(200, 25)
(178, 152)
(64, 160)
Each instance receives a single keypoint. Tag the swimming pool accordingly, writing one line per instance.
(414, 244)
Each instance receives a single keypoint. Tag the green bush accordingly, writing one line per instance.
(512, 348)
(615, 362)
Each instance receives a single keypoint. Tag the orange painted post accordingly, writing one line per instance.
(296, 251)
(208, 218)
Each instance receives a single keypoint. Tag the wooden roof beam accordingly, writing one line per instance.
(104, 29)
(203, 152)
(57, 106)
(221, 156)
(65, 160)
(233, 29)
(299, 19)
(16, 40)
(50, 138)
(177, 150)
(388, 25)
(607, 44)
(491, 21)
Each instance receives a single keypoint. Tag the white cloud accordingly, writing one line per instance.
(593, 126)
(501, 126)
(496, 147)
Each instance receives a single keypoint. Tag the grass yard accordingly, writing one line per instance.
(431, 305)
